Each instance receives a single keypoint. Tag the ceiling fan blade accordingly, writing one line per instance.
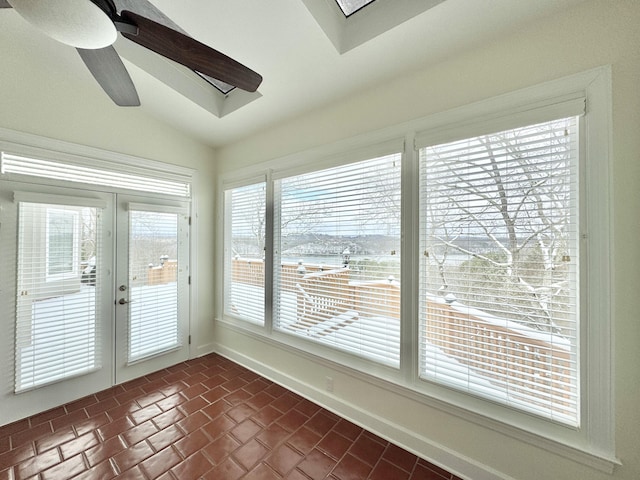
(5, 4)
(190, 53)
(107, 68)
(148, 10)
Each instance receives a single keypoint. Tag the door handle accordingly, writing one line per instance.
(124, 301)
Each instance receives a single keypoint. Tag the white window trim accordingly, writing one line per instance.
(594, 443)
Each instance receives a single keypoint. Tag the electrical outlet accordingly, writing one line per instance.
(328, 383)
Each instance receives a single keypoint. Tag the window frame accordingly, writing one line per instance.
(593, 443)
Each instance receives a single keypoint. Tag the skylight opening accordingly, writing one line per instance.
(346, 28)
(221, 86)
(349, 7)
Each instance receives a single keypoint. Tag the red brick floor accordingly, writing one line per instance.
(206, 418)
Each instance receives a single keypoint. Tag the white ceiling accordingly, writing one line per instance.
(281, 40)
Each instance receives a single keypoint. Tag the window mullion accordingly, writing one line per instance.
(409, 330)
(269, 253)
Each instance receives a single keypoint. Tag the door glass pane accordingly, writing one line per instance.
(153, 283)
(57, 325)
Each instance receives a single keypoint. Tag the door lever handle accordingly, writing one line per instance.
(124, 301)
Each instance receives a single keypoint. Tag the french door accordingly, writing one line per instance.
(152, 297)
(93, 292)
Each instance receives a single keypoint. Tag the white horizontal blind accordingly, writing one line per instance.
(498, 281)
(153, 283)
(57, 318)
(71, 172)
(244, 252)
(337, 262)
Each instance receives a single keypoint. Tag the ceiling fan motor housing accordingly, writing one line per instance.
(79, 23)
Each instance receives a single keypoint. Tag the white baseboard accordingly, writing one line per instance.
(202, 350)
(411, 441)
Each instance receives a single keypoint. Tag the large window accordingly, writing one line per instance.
(502, 213)
(498, 284)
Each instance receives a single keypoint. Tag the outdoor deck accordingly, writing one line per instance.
(502, 359)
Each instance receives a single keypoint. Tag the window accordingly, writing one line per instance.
(349, 23)
(62, 242)
(338, 262)
(244, 246)
(499, 306)
(221, 86)
(498, 284)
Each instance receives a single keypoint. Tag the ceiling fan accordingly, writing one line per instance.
(93, 25)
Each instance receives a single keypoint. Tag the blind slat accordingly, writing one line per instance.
(91, 175)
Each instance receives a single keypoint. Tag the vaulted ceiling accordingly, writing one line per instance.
(308, 53)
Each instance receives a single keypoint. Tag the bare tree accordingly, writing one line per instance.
(89, 233)
(248, 220)
(503, 203)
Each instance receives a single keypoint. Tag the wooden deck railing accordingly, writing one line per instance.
(520, 360)
(514, 357)
(167, 272)
(377, 298)
(248, 270)
(322, 295)
(251, 272)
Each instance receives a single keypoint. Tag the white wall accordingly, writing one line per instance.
(593, 34)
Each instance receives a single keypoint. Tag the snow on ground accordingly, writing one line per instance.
(378, 339)
(62, 340)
